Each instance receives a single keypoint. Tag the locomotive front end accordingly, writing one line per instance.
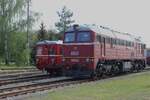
(78, 52)
(49, 56)
(41, 56)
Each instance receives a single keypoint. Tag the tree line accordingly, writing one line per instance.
(13, 31)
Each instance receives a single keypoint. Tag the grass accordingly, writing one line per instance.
(130, 87)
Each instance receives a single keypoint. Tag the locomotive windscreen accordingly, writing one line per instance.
(81, 37)
(70, 37)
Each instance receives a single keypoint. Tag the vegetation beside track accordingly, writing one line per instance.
(129, 87)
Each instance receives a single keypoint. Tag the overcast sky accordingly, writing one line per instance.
(132, 16)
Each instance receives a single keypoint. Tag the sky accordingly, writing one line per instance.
(132, 16)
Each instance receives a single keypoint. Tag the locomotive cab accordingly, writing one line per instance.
(78, 51)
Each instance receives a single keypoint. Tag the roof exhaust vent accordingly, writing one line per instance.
(75, 27)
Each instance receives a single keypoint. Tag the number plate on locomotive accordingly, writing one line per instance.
(74, 53)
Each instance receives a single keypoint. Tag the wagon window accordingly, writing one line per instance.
(132, 44)
(102, 39)
(39, 51)
(111, 42)
(114, 41)
(124, 42)
(61, 51)
(70, 37)
(52, 51)
(83, 37)
(108, 40)
(98, 38)
(127, 43)
(143, 46)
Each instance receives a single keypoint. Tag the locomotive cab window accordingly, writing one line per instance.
(84, 37)
(69, 37)
(39, 51)
(61, 51)
(52, 51)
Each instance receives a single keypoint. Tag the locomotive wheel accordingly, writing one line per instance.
(112, 71)
(132, 69)
(59, 72)
(115, 70)
(94, 76)
(137, 67)
(99, 71)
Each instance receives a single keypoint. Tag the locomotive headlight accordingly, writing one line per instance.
(37, 60)
(87, 59)
(53, 60)
(63, 59)
(92, 60)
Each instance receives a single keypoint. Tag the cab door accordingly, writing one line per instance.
(103, 47)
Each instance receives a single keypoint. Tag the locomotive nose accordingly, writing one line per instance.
(41, 62)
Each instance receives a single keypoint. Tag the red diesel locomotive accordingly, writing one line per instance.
(49, 56)
(96, 50)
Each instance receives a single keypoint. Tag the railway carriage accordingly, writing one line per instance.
(49, 56)
(96, 50)
(147, 56)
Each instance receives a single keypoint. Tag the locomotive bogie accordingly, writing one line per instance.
(113, 67)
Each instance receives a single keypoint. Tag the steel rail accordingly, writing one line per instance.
(6, 71)
(18, 74)
(33, 84)
(23, 79)
(49, 86)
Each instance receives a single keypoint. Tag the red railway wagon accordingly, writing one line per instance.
(96, 50)
(148, 56)
(49, 56)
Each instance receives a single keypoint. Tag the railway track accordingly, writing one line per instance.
(33, 86)
(26, 90)
(29, 86)
(19, 74)
(4, 71)
(23, 79)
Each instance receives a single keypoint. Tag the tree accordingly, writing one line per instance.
(18, 53)
(53, 35)
(12, 21)
(42, 34)
(65, 20)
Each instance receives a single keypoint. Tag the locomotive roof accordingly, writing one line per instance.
(50, 42)
(106, 32)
